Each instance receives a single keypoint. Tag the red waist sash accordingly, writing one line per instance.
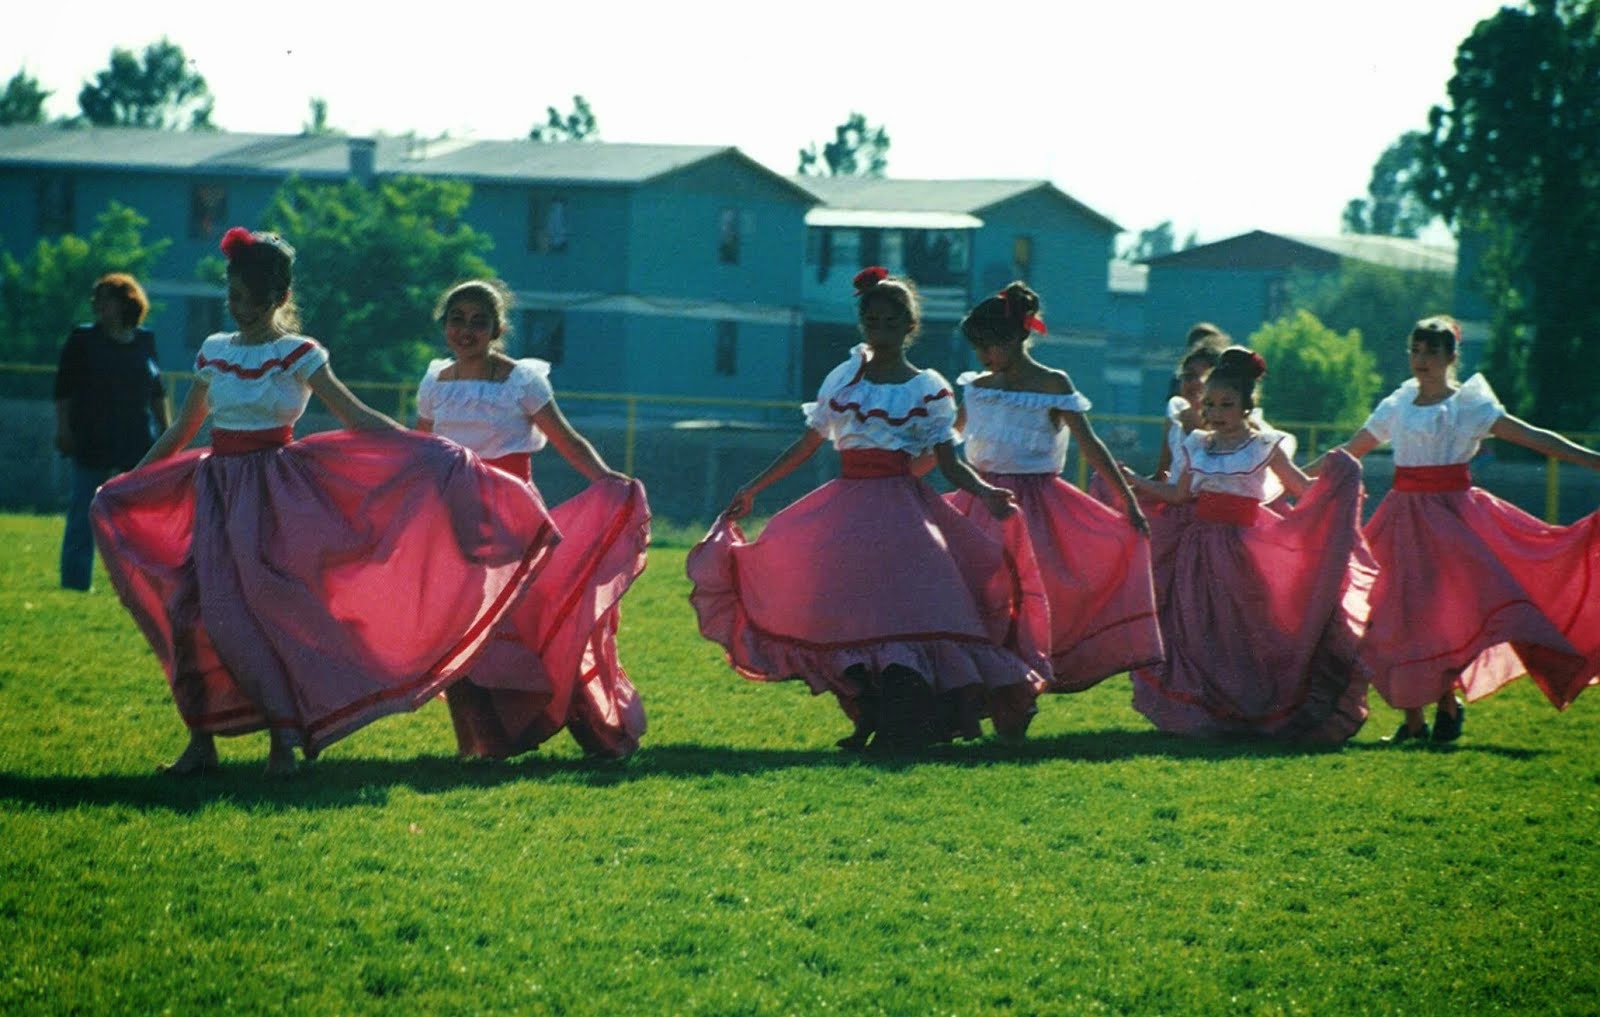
(236, 443)
(518, 464)
(871, 463)
(1216, 507)
(1433, 479)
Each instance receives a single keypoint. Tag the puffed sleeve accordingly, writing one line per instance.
(428, 389)
(818, 414)
(1478, 406)
(309, 357)
(533, 385)
(1380, 422)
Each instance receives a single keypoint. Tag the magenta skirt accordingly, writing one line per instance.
(1473, 593)
(1262, 621)
(553, 662)
(869, 573)
(316, 586)
(1096, 573)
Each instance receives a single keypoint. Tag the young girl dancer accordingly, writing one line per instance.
(307, 587)
(1261, 614)
(873, 587)
(1206, 343)
(1473, 591)
(1017, 421)
(553, 663)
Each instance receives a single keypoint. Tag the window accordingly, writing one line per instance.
(56, 205)
(544, 335)
(846, 249)
(208, 210)
(202, 317)
(1277, 298)
(728, 226)
(1022, 256)
(892, 250)
(727, 358)
(547, 224)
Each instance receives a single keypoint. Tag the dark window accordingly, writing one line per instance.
(203, 318)
(208, 210)
(544, 335)
(547, 224)
(728, 227)
(56, 212)
(727, 361)
(1277, 298)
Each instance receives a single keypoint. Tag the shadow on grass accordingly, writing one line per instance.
(344, 783)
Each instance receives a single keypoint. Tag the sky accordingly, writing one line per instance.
(1222, 116)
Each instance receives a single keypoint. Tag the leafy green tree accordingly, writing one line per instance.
(579, 125)
(1392, 207)
(1314, 373)
(44, 295)
(1153, 242)
(318, 124)
(160, 89)
(857, 149)
(1378, 303)
(370, 263)
(1517, 150)
(22, 102)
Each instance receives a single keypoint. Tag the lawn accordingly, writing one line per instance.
(739, 864)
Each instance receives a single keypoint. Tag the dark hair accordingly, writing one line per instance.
(1440, 332)
(1002, 318)
(264, 264)
(877, 284)
(1204, 332)
(135, 305)
(491, 293)
(1239, 368)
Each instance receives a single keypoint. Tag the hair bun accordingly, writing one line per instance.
(1243, 361)
(236, 240)
(869, 277)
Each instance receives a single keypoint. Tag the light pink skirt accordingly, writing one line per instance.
(1473, 593)
(872, 573)
(1262, 622)
(319, 585)
(1096, 573)
(553, 662)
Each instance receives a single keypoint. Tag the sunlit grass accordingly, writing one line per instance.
(739, 864)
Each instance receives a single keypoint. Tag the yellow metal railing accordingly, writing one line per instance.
(400, 396)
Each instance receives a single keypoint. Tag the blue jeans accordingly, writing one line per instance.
(77, 543)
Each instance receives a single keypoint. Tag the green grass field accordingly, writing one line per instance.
(739, 864)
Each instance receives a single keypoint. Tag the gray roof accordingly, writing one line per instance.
(128, 148)
(1260, 249)
(1395, 252)
(888, 194)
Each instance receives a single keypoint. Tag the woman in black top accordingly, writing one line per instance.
(110, 406)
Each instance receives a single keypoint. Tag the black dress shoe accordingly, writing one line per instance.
(1404, 734)
(1447, 728)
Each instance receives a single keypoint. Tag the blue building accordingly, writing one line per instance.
(663, 269)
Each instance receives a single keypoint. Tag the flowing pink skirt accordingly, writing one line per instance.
(1096, 572)
(1262, 623)
(1475, 593)
(874, 573)
(317, 586)
(553, 662)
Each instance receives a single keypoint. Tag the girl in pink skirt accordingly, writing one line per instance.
(1017, 419)
(306, 587)
(873, 587)
(1261, 614)
(1473, 591)
(553, 663)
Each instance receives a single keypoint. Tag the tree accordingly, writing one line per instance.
(579, 125)
(857, 149)
(1517, 151)
(1392, 207)
(1153, 242)
(45, 295)
(161, 91)
(1378, 303)
(318, 124)
(371, 261)
(22, 102)
(1314, 373)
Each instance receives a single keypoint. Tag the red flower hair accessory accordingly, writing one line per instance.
(1261, 365)
(869, 277)
(1033, 323)
(236, 240)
